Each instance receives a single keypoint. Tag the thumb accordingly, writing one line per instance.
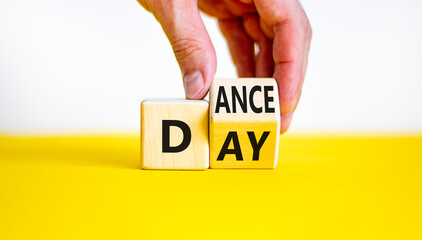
(191, 43)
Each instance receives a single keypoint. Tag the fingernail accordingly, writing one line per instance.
(193, 83)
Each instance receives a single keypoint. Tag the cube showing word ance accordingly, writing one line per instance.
(174, 134)
(244, 123)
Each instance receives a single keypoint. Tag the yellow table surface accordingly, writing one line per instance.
(325, 187)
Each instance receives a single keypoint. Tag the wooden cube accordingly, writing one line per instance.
(174, 134)
(244, 123)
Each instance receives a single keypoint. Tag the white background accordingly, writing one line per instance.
(85, 65)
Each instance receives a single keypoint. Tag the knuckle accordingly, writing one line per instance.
(186, 48)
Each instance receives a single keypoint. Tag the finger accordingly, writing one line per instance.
(240, 45)
(285, 121)
(191, 44)
(292, 35)
(267, 29)
(215, 8)
(264, 64)
(145, 5)
(247, 1)
(290, 57)
(239, 8)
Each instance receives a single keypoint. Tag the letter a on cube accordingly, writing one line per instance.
(244, 123)
(174, 134)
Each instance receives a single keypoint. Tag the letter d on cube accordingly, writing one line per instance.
(174, 134)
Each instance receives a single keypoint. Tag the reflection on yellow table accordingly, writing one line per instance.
(330, 187)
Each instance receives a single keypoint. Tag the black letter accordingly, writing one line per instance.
(257, 146)
(166, 136)
(268, 99)
(235, 95)
(253, 90)
(225, 103)
(236, 147)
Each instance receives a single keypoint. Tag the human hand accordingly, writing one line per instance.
(279, 28)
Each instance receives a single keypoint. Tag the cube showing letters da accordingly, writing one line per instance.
(174, 134)
(244, 123)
